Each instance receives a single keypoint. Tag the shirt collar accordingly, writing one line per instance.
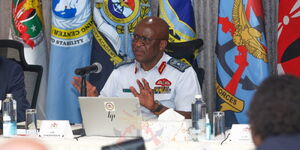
(160, 66)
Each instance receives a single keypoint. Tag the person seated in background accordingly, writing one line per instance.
(22, 144)
(163, 82)
(12, 81)
(274, 114)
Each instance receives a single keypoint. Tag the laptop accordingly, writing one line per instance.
(111, 116)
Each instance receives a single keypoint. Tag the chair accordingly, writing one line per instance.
(29, 70)
(185, 52)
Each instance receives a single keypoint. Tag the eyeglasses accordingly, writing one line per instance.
(142, 39)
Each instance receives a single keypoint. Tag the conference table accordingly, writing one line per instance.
(156, 134)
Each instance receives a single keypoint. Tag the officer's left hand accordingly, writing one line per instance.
(146, 95)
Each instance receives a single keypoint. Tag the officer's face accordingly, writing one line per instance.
(146, 45)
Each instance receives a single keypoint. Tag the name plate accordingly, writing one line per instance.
(56, 129)
(240, 132)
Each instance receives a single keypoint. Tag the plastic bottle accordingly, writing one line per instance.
(9, 113)
(198, 114)
(208, 128)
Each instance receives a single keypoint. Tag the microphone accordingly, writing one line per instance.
(94, 68)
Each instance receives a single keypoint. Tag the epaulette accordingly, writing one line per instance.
(179, 65)
(129, 61)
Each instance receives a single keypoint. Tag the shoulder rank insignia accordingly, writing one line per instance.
(129, 61)
(179, 65)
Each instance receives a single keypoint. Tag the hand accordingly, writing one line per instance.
(91, 90)
(146, 95)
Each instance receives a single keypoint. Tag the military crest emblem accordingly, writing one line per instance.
(122, 16)
(72, 22)
(27, 22)
(242, 56)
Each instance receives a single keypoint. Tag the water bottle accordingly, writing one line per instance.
(9, 113)
(198, 114)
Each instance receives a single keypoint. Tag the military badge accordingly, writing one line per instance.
(162, 90)
(163, 82)
(179, 65)
(162, 67)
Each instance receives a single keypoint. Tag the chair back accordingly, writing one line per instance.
(32, 73)
(185, 52)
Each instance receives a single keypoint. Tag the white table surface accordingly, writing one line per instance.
(96, 142)
(164, 141)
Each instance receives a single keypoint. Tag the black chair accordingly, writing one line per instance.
(185, 52)
(36, 69)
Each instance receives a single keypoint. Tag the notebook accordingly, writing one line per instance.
(111, 116)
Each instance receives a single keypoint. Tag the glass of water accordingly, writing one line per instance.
(31, 122)
(219, 125)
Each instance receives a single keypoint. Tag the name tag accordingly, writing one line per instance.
(240, 132)
(56, 128)
(126, 91)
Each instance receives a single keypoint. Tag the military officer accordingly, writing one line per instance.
(158, 80)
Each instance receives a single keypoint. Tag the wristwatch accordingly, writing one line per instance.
(159, 107)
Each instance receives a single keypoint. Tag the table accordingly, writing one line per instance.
(95, 143)
(157, 135)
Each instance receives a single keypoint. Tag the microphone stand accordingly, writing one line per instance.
(83, 86)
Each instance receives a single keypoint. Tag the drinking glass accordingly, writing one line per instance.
(31, 122)
(219, 125)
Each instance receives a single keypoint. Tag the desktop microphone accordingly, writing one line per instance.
(94, 68)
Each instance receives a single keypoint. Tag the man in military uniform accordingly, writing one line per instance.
(163, 82)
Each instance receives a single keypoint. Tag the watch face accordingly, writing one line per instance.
(157, 102)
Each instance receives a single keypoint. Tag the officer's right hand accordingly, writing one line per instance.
(91, 90)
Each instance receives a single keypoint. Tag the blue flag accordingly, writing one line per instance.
(241, 57)
(71, 35)
(114, 24)
(106, 55)
(179, 15)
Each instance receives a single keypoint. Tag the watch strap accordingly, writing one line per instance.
(159, 107)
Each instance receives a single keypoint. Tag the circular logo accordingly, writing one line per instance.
(68, 8)
(109, 106)
(121, 11)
